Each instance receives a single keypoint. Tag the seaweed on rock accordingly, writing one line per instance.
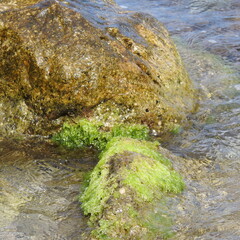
(82, 134)
(88, 133)
(130, 176)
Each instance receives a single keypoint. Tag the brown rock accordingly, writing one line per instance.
(62, 58)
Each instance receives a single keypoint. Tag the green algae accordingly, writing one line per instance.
(148, 171)
(135, 131)
(132, 173)
(130, 176)
(147, 175)
(82, 134)
(146, 148)
(86, 133)
(158, 220)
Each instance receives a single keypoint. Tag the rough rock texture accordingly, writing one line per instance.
(65, 58)
(129, 177)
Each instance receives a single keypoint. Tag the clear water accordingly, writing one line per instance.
(39, 189)
(211, 24)
(39, 183)
(207, 34)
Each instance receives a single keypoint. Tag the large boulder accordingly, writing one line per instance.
(63, 59)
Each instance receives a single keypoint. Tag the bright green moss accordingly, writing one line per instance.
(146, 148)
(86, 133)
(150, 178)
(135, 131)
(158, 220)
(100, 188)
(148, 175)
(102, 232)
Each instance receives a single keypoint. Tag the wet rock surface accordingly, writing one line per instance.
(130, 177)
(62, 59)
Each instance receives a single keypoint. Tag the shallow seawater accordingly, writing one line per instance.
(207, 34)
(213, 25)
(40, 185)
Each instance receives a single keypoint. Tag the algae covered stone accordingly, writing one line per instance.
(130, 175)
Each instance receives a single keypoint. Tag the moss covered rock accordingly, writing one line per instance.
(81, 58)
(129, 177)
(87, 133)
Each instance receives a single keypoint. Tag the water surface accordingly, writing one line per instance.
(40, 185)
(207, 34)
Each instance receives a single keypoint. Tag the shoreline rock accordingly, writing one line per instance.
(64, 60)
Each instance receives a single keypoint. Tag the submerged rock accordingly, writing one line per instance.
(130, 175)
(63, 59)
(123, 187)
